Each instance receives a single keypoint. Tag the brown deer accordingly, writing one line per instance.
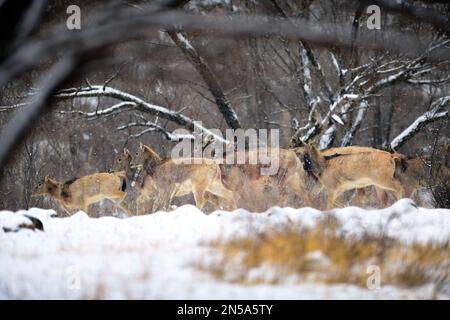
(252, 190)
(412, 173)
(415, 173)
(79, 193)
(360, 192)
(143, 184)
(341, 172)
(258, 192)
(430, 172)
(174, 178)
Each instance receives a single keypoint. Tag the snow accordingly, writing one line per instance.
(307, 86)
(336, 64)
(157, 256)
(351, 96)
(11, 221)
(184, 41)
(327, 138)
(337, 119)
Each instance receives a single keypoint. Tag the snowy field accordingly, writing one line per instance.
(158, 256)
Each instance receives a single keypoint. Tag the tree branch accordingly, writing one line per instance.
(224, 105)
(439, 109)
(129, 100)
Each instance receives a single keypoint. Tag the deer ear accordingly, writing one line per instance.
(292, 143)
(297, 142)
(46, 178)
(141, 145)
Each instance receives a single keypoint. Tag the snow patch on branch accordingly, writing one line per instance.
(350, 134)
(433, 114)
(131, 100)
(326, 140)
(307, 80)
(122, 106)
(184, 41)
(337, 119)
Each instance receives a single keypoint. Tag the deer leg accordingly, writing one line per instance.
(199, 195)
(300, 192)
(120, 196)
(213, 199)
(413, 193)
(124, 209)
(337, 203)
(359, 196)
(66, 210)
(283, 197)
(284, 193)
(382, 196)
(409, 191)
(172, 195)
(396, 187)
(85, 209)
(333, 196)
(316, 189)
(164, 198)
(330, 199)
(138, 205)
(218, 189)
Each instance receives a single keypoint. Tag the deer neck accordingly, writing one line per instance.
(149, 165)
(313, 161)
(320, 164)
(55, 191)
(129, 173)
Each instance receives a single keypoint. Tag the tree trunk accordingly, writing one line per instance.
(377, 126)
(208, 77)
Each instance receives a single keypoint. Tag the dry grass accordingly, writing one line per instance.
(323, 255)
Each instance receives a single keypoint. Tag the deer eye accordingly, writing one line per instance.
(136, 154)
(119, 160)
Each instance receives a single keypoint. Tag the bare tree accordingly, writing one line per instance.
(311, 69)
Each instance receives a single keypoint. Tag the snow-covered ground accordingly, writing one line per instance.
(158, 256)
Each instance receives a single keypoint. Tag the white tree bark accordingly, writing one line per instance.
(350, 134)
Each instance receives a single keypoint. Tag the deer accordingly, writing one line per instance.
(410, 172)
(345, 171)
(169, 178)
(80, 193)
(360, 192)
(261, 191)
(255, 190)
(143, 184)
(415, 172)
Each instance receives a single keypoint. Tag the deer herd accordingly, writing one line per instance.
(304, 171)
